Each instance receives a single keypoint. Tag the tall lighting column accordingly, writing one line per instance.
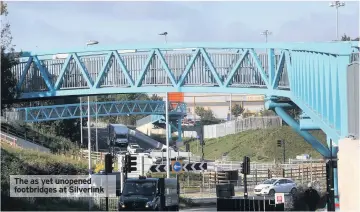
(89, 43)
(337, 5)
(167, 136)
(266, 33)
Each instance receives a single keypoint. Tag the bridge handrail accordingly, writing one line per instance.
(335, 48)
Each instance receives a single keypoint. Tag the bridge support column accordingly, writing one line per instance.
(348, 174)
(318, 146)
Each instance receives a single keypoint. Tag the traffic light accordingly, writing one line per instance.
(130, 163)
(108, 163)
(279, 143)
(245, 166)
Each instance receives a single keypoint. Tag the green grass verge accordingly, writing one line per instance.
(260, 145)
(27, 162)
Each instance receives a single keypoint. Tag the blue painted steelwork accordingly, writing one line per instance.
(114, 108)
(312, 75)
(308, 124)
(307, 136)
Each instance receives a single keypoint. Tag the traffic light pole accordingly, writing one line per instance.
(283, 143)
(245, 187)
(106, 198)
(245, 170)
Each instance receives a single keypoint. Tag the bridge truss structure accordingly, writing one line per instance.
(155, 109)
(312, 76)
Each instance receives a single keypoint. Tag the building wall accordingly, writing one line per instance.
(220, 103)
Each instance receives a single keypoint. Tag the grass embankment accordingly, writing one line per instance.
(260, 145)
(27, 162)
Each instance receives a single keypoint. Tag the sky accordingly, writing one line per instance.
(42, 26)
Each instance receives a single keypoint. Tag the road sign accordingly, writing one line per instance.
(194, 166)
(158, 168)
(180, 162)
(177, 167)
(279, 198)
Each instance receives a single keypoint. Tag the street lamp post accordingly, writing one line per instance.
(167, 136)
(164, 34)
(266, 33)
(337, 5)
(89, 43)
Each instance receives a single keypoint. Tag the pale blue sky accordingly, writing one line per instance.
(48, 25)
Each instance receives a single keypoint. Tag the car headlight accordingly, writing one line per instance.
(121, 204)
(148, 204)
(267, 187)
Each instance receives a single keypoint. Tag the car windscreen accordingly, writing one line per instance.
(145, 188)
(121, 136)
(269, 181)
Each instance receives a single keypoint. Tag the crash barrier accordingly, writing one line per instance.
(248, 204)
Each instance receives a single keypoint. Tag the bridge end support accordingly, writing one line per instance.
(317, 145)
(348, 174)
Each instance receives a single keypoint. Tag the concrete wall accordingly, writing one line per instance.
(147, 129)
(349, 174)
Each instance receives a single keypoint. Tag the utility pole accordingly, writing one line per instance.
(266, 33)
(337, 5)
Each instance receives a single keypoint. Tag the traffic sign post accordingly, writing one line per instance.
(177, 166)
(158, 168)
(194, 166)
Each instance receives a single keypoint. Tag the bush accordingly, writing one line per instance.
(99, 167)
(298, 202)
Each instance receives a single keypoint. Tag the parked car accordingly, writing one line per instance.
(275, 185)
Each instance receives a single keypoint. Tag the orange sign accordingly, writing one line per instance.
(175, 97)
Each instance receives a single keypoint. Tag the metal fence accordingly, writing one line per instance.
(240, 125)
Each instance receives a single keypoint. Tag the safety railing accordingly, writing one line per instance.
(25, 133)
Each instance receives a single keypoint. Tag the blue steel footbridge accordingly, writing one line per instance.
(312, 76)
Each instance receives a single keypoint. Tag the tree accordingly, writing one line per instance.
(155, 97)
(8, 60)
(206, 116)
(237, 110)
(130, 119)
(347, 38)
